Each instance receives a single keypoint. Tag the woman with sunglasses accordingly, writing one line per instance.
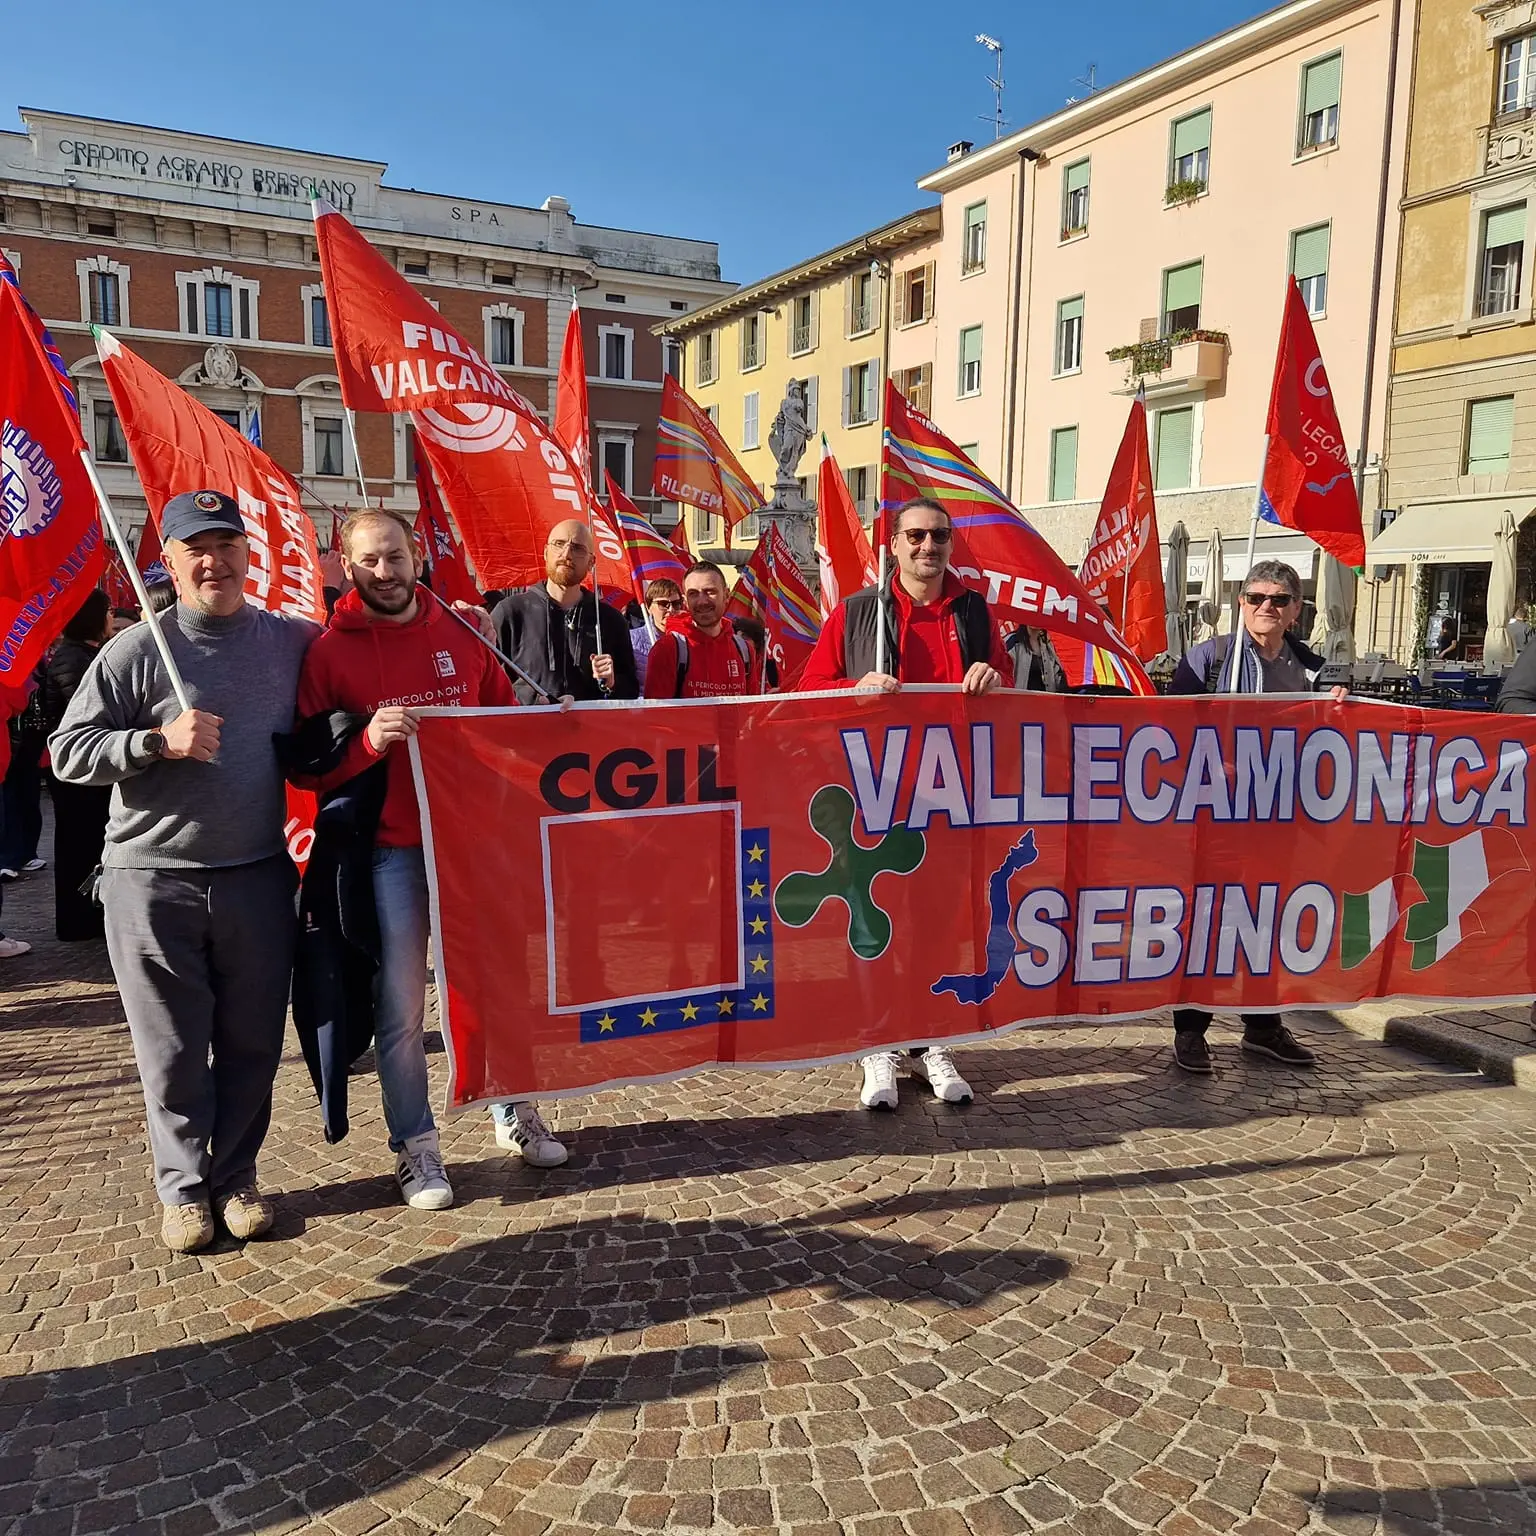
(1264, 656)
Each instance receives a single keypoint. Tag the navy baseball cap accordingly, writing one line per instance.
(195, 512)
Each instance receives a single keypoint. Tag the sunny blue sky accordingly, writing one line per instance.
(777, 130)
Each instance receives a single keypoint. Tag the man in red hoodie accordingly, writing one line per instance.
(701, 656)
(936, 631)
(387, 652)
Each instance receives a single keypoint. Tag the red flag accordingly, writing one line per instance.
(394, 352)
(996, 551)
(179, 445)
(651, 557)
(1123, 566)
(694, 465)
(115, 580)
(771, 589)
(678, 539)
(1307, 483)
(50, 537)
(611, 570)
(842, 550)
(573, 421)
(450, 579)
(149, 557)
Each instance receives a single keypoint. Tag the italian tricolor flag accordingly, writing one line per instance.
(1366, 920)
(1452, 877)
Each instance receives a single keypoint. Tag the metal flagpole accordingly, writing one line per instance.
(130, 564)
(1253, 527)
(357, 457)
(880, 615)
(591, 489)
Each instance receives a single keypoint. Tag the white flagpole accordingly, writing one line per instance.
(130, 565)
(591, 489)
(357, 457)
(1253, 527)
(879, 617)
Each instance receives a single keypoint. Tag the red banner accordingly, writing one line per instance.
(179, 445)
(771, 589)
(450, 576)
(693, 464)
(1308, 485)
(50, 539)
(868, 871)
(847, 562)
(573, 418)
(1123, 566)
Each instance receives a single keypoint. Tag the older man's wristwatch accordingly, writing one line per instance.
(154, 744)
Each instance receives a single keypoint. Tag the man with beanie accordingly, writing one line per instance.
(197, 885)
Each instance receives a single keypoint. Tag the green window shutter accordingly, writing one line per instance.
(1070, 309)
(1490, 430)
(1182, 285)
(1309, 252)
(970, 345)
(1192, 134)
(1505, 226)
(1322, 87)
(1175, 444)
(1064, 464)
(1077, 176)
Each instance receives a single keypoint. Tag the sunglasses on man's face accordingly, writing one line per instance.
(915, 536)
(1276, 600)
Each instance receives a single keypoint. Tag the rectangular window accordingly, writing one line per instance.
(916, 384)
(861, 303)
(410, 451)
(245, 314)
(1181, 298)
(328, 455)
(615, 355)
(859, 394)
(751, 342)
(1309, 266)
(749, 437)
(1173, 470)
(973, 251)
(503, 341)
(231, 419)
(617, 456)
(1320, 103)
(1074, 199)
(1069, 336)
(105, 307)
(914, 295)
(110, 446)
(1503, 258)
(800, 325)
(319, 320)
(191, 292)
(709, 358)
(1064, 464)
(859, 482)
(1517, 74)
(1490, 430)
(713, 412)
(970, 361)
(1190, 150)
(218, 309)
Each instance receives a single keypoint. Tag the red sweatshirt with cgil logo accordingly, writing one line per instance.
(363, 662)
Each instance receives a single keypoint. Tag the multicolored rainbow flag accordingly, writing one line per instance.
(772, 590)
(651, 557)
(694, 465)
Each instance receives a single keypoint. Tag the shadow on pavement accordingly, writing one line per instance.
(1490, 1509)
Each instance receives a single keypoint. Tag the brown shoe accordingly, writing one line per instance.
(186, 1228)
(246, 1213)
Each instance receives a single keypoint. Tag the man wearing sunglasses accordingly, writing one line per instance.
(936, 631)
(1264, 656)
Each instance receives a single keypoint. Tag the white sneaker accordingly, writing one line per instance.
(8, 875)
(526, 1133)
(879, 1090)
(32, 866)
(420, 1173)
(10, 948)
(938, 1066)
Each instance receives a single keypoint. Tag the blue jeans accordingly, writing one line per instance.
(400, 992)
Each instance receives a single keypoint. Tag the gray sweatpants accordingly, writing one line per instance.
(203, 959)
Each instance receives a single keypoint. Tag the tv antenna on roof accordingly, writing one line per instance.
(994, 45)
(1089, 83)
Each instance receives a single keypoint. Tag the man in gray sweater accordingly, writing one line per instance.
(197, 885)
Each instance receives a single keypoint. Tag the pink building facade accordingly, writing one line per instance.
(1164, 215)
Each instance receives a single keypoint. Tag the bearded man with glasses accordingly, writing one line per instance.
(936, 630)
(1264, 656)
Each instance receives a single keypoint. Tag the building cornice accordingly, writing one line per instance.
(1192, 67)
(911, 229)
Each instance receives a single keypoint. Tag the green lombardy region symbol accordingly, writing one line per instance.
(850, 873)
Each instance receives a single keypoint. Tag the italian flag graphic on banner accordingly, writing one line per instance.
(1452, 877)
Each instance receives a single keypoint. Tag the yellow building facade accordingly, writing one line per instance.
(829, 322)
(1461, 418)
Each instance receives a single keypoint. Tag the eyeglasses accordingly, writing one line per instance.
(575, 545)
(668, 604)
(940, 536)
(1276, 600)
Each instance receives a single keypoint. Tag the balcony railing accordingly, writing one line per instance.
(800, 341)
(1177, 361)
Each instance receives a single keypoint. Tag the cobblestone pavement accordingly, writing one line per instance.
(1107, 1298)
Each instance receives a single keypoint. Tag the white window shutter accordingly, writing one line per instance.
(848, 308)
(876, 397)
(812, 415)
(847, 394)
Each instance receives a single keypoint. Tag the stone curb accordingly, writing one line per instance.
(1442, 1039)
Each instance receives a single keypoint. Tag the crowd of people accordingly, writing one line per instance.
(170, 820)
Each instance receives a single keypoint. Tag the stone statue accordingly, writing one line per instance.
(790, 433)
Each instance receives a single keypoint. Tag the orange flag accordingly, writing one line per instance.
(573, 420)
(842, 550)
(179, 445)
(693, 463)
(1123, 566)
